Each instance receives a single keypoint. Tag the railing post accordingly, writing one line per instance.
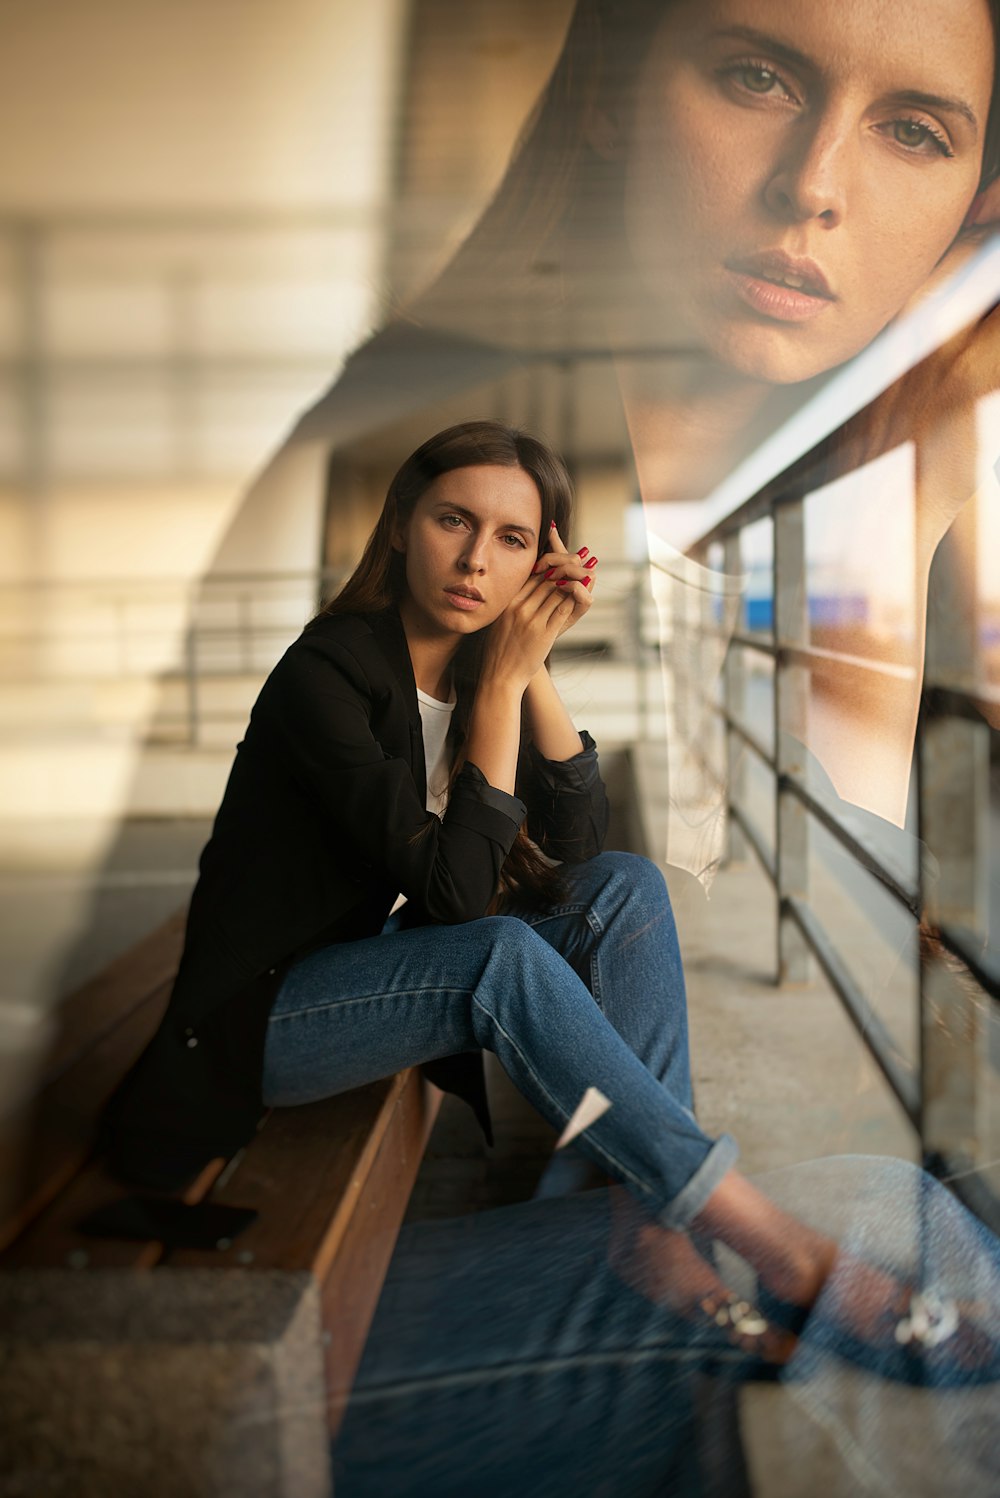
(245, 628)
(639, 651)
(734, 690)
(680, 655)
(702, 676)
(953, 778)
(791, 715)
(191, 681)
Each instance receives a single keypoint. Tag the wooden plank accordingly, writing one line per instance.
(55, 1241)
(353, 1281)
(304, 1173)
(102, 1027)
(94, 1009)
(46, 1142)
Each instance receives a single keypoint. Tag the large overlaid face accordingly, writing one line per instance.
(470, 545)
(796, 169)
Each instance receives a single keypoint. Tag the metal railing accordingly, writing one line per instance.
(958, 974)
(209, 643)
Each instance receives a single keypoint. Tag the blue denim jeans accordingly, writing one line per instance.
(506, 1357)
(587, 993)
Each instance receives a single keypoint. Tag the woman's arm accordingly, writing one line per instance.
(567, 803)
(559, 777)
(312, 724)
(519, 641)
(549, 724)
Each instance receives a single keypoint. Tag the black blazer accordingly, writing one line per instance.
(323, 823)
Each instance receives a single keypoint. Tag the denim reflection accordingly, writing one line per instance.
(589, 992)
(506, 1357)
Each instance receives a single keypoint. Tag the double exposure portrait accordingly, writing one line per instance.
(501, 681)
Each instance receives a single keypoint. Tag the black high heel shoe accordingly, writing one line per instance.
(922, 1347)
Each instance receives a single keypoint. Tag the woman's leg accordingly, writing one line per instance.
(615, 928)
(360, 1010)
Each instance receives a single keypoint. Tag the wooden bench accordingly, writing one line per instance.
(330, 1181)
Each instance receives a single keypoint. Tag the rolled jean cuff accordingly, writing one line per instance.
(691, 1198)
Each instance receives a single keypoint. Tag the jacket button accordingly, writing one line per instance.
(192, 1041)
(272, 971)
(189, 1031)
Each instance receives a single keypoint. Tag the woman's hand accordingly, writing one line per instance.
(557, 593)
(522, 636)
(553, 597)
(572, 572)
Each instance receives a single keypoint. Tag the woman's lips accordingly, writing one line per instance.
(780, 286)
(465, 601)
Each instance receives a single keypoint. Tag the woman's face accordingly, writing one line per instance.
(795, 170)
(470, 545)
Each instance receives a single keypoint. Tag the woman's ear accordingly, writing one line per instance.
(985, 208)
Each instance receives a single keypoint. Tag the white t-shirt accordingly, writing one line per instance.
(435, 720)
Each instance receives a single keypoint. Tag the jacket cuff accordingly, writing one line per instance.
(476, 804)
(580, 772)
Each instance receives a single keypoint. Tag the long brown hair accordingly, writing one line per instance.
(379, 582)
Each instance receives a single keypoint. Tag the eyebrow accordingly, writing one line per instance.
(768, 43)
(508, 525)
(794, 58)
(939, 102)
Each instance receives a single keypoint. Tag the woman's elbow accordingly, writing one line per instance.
(453, 903)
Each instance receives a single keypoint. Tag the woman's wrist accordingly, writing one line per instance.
(551, 726)
(494, 737)
(501, 682)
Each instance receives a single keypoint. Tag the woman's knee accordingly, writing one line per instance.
(633, 873)
(509, 939)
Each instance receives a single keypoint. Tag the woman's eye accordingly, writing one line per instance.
(514, 539)
(757, 78)
(447, 520)
(917, 136)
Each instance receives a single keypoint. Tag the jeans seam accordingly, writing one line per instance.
(598, 930)
(365, 998)
(605, 1153)
(551, 913)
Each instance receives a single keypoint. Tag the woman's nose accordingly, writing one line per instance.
(810, 177)
(473, 557)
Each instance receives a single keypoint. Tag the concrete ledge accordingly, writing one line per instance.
(178, 1383)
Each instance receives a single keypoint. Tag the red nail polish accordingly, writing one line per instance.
(583, 551)
(588, 582)
(552, 525)
(592, 562)
(549, 573)
(563, 581)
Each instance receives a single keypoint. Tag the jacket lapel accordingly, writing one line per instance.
(387, 627)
